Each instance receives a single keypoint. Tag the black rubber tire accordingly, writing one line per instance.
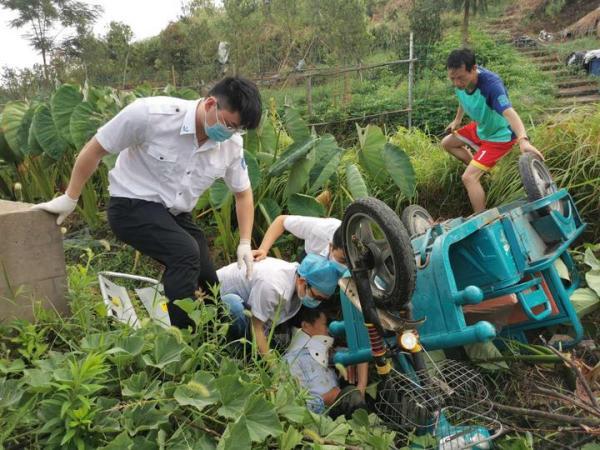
(400, 259)
(533, 171)
(413, 217)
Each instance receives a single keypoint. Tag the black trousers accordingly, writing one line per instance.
(174, 241)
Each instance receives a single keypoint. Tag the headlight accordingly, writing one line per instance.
(409, 341)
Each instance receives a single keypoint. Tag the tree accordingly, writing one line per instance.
(118, 43)
(426, 25)
(42, 16)
(468, 8)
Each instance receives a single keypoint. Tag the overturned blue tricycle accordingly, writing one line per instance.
(416, 284)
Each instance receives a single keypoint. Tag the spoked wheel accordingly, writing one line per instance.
(372, 231)
(416, 219)
(537, 180)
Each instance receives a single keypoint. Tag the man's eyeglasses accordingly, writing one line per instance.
(229, 127)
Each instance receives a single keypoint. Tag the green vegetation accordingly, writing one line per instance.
(86, 382)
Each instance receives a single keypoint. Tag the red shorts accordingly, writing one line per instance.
(487, 153)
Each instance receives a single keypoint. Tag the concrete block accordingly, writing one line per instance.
(32, 262)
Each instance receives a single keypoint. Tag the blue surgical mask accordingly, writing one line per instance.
(217, 132)
(310, 302)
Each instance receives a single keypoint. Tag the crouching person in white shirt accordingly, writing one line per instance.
(308, 358)
(321, 235)
(170, 151)
(275, 293)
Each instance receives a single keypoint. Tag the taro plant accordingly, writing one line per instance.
(39, 140)
(290, 164)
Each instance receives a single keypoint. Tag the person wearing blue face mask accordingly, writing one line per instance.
(170, 151)
(275, 293)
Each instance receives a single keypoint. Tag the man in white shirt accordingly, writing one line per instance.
(170, 151)
(275, 293)
(322, 236)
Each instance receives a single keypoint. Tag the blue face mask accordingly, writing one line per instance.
(217, 132)
(310, 302)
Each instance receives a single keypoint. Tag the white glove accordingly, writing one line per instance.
(244, 256)
(63, 206)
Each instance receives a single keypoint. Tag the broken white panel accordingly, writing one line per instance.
(117, 302)
(155, 302)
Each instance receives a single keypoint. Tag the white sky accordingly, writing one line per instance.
(145, 17)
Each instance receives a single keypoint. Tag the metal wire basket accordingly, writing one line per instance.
(445, 407)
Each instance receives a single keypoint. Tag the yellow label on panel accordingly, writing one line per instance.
(163, 305)
(115, 300)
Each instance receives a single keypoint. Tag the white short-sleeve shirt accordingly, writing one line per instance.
(317, 232)
(273, 281)
(159, 158)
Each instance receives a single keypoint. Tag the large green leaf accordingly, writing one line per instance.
(291, 439)
(327, 158)
(140, 386)
(38, 380)
(400, 168)
(63, 102)
(251, 143)
(295, 152)
(85, 121)
(253, 169)
(584, 300)
(236, 436)
(261, 419)
(166, 351)
(5, 151)
(295, 125)
(234, 394)
(200, 392)
(372, 141)
(269, 208)
(121, 442)
(33, 146)
(267, 135)
(10, 393)
(26, 131)
(305, 205)
(219, 193)
(287, 406)
(47, 134)
(15, 135)
(298, 176)
(355, 182)
(185, 93)
(144, 417)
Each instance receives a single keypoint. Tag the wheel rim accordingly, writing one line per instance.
(544, 182)
(363, 234)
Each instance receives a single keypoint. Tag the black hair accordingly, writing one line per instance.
(240, 95)
(337, 241)
(309, 315)
(461, 57)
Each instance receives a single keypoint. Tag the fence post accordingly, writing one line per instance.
(411, 75)
(309, 107)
